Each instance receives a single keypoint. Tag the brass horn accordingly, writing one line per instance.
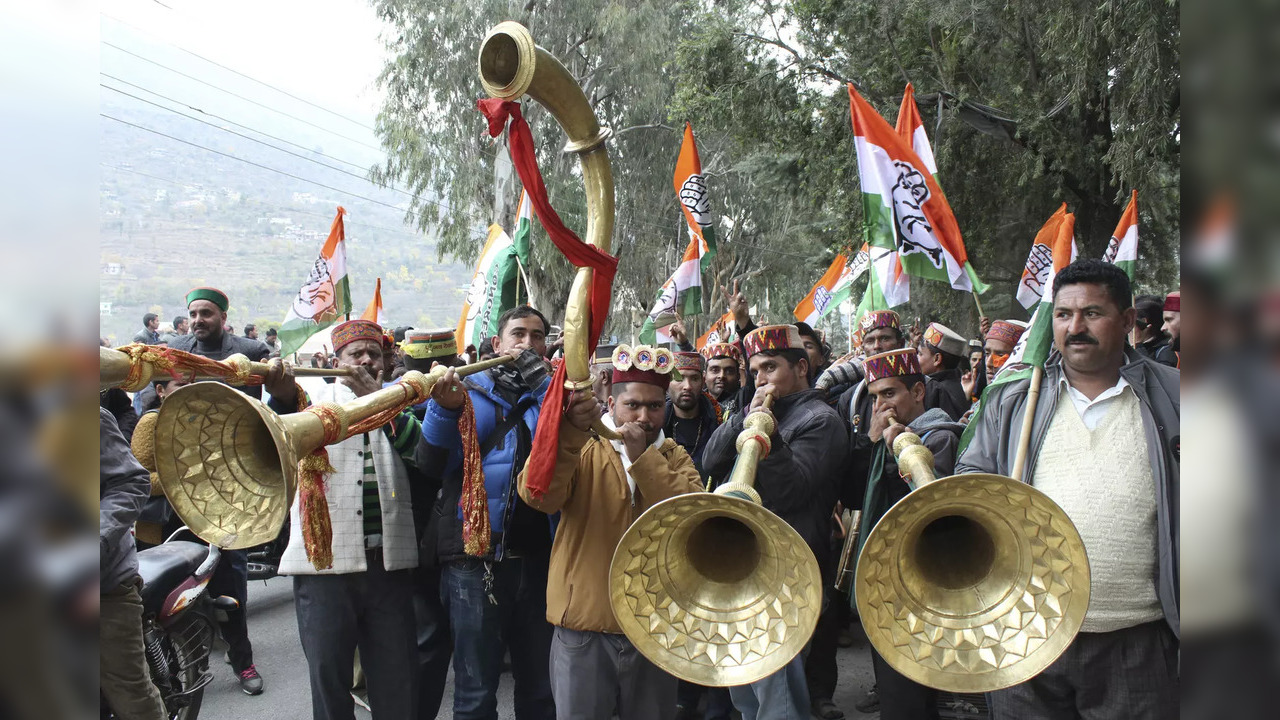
(970, 583)
(512, 65)
(712, 587)
(120, 368)
(229, 465)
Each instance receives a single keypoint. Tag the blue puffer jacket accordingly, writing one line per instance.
(441, 447)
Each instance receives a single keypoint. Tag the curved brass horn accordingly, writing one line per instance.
(712, 587)
(970, 583)
(229, 465)
(511, 65)
(134, 372)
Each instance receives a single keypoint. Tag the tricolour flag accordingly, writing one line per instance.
(720, 331)
(522, 238)
(833, 287)
(1035, 274)
(888, 286)
(373, 311)
(492, 291)
(1123, 248)
(680, 295)
(691, 189)
(902, 200)
(324, 297)
(1035, 344)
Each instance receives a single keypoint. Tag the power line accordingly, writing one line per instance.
(247, 77)
(215, 116)
(248, 100)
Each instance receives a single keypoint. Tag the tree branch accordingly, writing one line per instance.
(654, 126)
(804, 63)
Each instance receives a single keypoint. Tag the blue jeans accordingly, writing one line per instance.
(783, 695)
(481, 629)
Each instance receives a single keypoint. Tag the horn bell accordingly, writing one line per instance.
(715, 590)
(228, 464)
(972, 583)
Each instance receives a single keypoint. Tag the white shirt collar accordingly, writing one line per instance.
(622, 452)
(1092, 411)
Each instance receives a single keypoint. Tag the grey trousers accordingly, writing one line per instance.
(373, 611)
(1129, 674)
(596, 674)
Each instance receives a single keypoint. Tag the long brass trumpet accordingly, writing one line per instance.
(229, 465)
(512, 65)
(134, 371)
(712, 587)
(970, 583)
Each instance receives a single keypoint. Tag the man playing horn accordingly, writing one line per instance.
(1105, 447)
(897, 387)
(798, 481)
(366, 597)
(599, 488)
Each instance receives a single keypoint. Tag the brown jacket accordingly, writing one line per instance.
(590, 491)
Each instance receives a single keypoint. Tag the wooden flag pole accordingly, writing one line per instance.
(1028, 417)
(977, 302)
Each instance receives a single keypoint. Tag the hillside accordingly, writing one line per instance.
(174, 216)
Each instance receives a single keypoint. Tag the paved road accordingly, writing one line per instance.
(287, 695)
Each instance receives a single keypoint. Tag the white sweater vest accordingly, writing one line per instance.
(1103, 481)
(345, 493)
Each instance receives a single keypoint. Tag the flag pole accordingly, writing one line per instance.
(977, 302)
(520, 267)
(1028, 416)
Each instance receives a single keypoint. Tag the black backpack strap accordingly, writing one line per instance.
(504, 426)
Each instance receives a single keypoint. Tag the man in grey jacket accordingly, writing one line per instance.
(125, 485)
(1105, 447)
(798, 481)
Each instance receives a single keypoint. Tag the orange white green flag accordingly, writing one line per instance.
(720, 331)
(902, 201)
(492, 290)
(680, 295)
(373, 311)
(1123, 248)
(834, 287)
(324, 297)
(1035, 274)
(691, 188)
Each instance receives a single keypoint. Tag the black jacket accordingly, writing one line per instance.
(799, 479)
(707, 424)
(943, 390)
(255, 350)
(123, 488)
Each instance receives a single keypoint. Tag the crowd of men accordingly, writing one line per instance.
(413, 589)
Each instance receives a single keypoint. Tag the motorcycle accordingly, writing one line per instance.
(264, 559)
(178, 623)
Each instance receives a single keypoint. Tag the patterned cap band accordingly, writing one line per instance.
(711, 351)
(352, 330)
(655, 366)
(773, 337)
(427, 344)
(877, 319)
(895, 363)
(1173, 302)
(1006, 331)
(943, 338)
(690, 362)
(213, 295)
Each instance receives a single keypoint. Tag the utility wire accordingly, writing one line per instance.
(246, 77)
(229, 92)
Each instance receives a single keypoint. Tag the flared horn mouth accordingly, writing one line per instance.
(507, 59)
(225, 463)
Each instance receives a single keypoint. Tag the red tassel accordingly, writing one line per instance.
(476, 528)
(313, 509)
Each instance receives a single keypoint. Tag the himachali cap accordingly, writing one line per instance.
(213, 295)
(773, 337)
(877, 319)
(690, 362)
(427, 344)
(711, 351)
(943, 338)
(1173, 302)
(1006, 331)
(352, 330)
(603, 355)
(644, 364)
(895, 363)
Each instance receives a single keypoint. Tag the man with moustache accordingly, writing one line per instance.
(207, 311)
(365, 599)
(599, 488)
(1105, 447)
(691, 414)
(724, 374)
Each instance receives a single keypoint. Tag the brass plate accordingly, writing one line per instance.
(720, 616)
(992, 633)
(219, 459)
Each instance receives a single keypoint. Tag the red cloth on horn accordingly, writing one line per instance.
(542, 459)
